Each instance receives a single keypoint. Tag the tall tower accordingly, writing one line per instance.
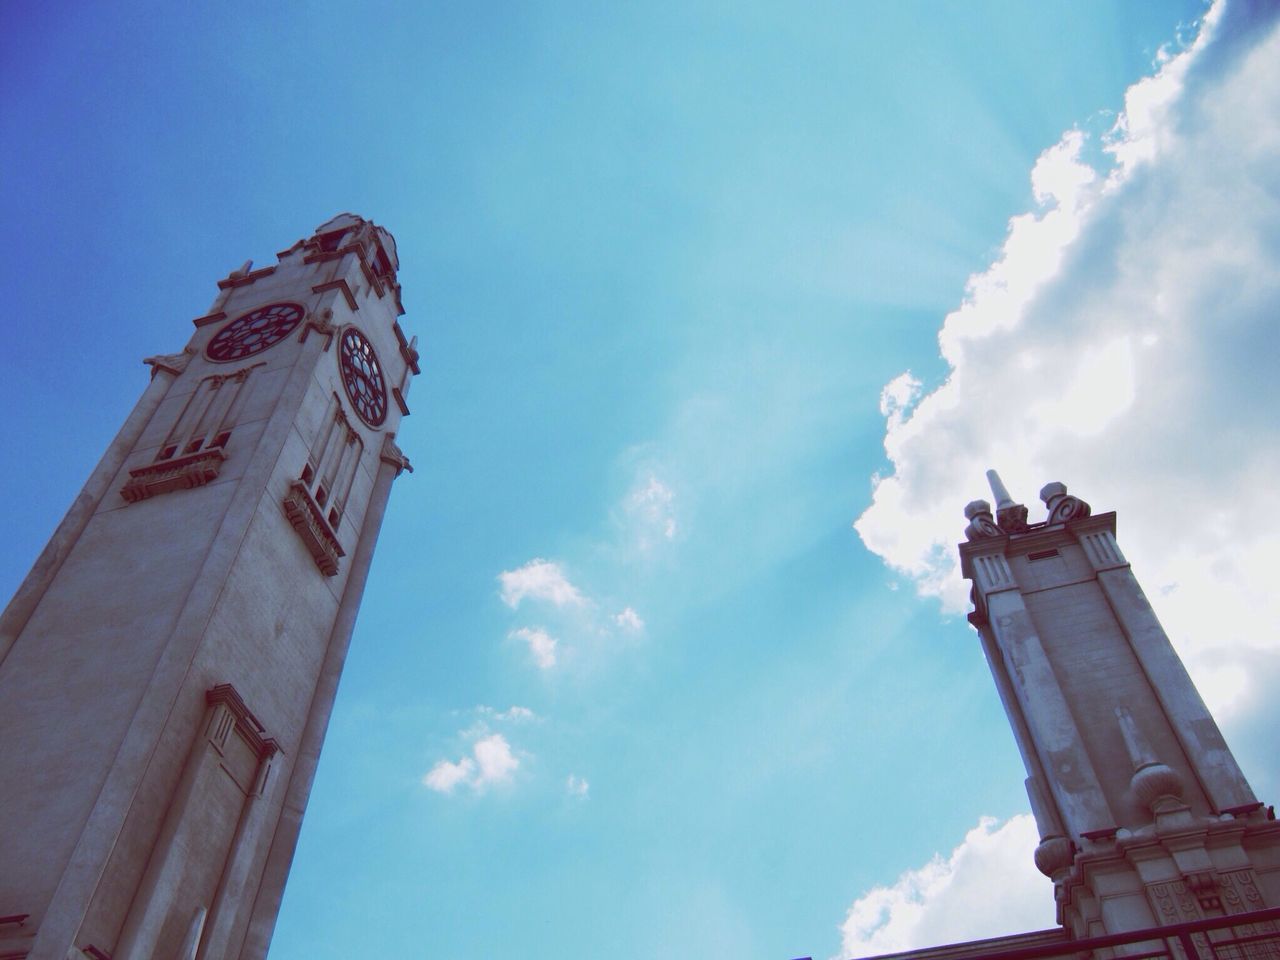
(168, 667)
(1145, 818)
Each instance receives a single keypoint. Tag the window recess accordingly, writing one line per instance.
(194, 449)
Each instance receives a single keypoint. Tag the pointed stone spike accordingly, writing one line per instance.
(998, 490)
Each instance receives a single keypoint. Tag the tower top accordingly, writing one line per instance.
(1011, 518)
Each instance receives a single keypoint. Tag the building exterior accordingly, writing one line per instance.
(168, 667)
(1144, 816)
(1155, 842)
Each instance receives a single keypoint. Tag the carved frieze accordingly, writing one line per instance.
(182, 473)
(311, 526)
(1173, 901)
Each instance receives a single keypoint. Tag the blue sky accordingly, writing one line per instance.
(670, 265)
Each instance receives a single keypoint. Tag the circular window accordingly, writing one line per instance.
(362, 377)
(254, 332)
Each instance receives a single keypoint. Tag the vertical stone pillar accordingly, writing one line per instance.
(392, 462)
(1072, 781)
(230, 744)
(1212, 761)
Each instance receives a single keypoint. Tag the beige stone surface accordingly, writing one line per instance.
(147, 827)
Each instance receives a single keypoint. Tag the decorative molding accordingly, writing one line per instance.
(1173, 901)
(981, 524)
(1062, 508)
(1101, 548)
(338, 285)
(1012, 518)
(398, 397)
(173, 363)
(322, 323)
(992, 573)
(236, 715)
(311, 526)
(392, 454)
(1240, 894)
(372, 279)
(209, 318)
(244, 279)
(408, 350)
(1054, 854)
(182, 473)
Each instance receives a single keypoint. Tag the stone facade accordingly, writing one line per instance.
(168, 667)
(1144, 816)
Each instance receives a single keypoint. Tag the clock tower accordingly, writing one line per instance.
(168, 667)
(1145, 818)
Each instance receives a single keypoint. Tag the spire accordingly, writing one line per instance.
(1012, 517)
(999, 491)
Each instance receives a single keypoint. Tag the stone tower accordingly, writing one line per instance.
(168, 667)
(1145, 818)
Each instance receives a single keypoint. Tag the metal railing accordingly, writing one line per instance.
(1241, 936)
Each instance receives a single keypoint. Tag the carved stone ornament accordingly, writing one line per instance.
(173, 363)
(1013, 518)
(392, 454)
(311, 526)
(182, 473)
(321, 321)
(1063, 508)
(981, 524)
(1054, 854)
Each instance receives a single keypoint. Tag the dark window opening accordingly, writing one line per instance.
(330, 242)
(333, 517)
(221, 439)
(194, 445)
(308, 474)
(1042, 555)
(167, 452)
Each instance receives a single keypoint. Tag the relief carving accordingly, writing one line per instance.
(181, 474)
(312, 528)
(1062, 508)
(981, 524)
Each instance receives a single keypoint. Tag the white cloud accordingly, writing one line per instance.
(513, 713)
(576, 786)
(629, 619)
(650, 503)
(987, 887)
(495, 760)
(1123, 342)
(897, 397)
(541, 644)
(540, 580)
(491, 762)
(444, 776)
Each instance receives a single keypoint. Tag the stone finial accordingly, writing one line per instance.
(1054, 855)
(1012, 517)
(1155, 785)
(1062, 508)
(981, 523)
